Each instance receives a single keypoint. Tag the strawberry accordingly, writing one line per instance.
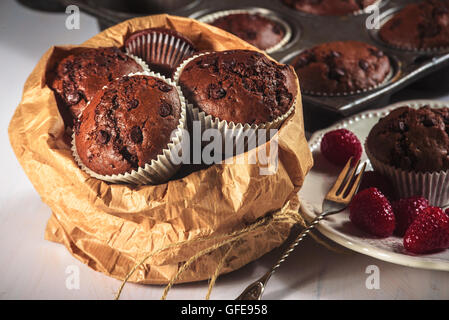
(371, 211)
(406, 210)
(339, 145)
(429, 232)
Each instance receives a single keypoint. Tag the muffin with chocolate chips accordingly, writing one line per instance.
(79, 76)
(421, 25)
(239, 86)
(256, 29)
(127, 125)
(341, 67)
(411, 146)
(329, 7)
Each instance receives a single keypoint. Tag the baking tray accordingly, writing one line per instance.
(307, 31)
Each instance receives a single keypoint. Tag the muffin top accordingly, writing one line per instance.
(418, 26)
(412, 139)
(329, 7)
(260, 31)
(241, 86)
(127, 124)
(161, 48)
(79, 76)
(341, 67)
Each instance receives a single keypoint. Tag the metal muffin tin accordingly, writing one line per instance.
(308, 30)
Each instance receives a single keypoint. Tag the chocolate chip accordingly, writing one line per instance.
(134, 103)
(402, 126)
(216, 92)
(336, 74)
(165, 109)
(428, 30)
(376, 53)
(277, 29)
(115, 103)
(129, 157)
(395, 23)
(67, 67)
(363, 64)
(429, 122)
(136, 134)
(164, 87)
(251, 35)
(103, 137)
(335, 54)
(301, 61)
(440, 11)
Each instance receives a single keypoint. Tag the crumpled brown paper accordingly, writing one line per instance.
(110, 227)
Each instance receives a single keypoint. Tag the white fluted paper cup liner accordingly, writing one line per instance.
(210, 18)
(433, 186)
(241, 132)
(160, 169)
(159, 47)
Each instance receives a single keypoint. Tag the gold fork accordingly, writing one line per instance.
(336, 200)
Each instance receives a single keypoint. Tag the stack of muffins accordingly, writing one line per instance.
(129, 121)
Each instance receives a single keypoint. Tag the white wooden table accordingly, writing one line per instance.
(32, 268)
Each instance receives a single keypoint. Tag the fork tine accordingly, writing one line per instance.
(356, 184)
(349, 179)
(341, 178)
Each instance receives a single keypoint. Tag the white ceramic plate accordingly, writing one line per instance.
(338, 227)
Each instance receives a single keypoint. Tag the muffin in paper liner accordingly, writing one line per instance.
(162, 49)
(369, 8)
(386, 17)
(433, 186)
(231, 130)
(392, 74)
(210, 18)
(159, 170)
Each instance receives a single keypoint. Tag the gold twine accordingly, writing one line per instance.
(284, 215)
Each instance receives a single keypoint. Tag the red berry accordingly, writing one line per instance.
(339, 145)
(371, 211)
(428, 232)
(406, 211)
(447, 211)
(373, 179)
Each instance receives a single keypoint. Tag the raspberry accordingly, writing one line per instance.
(406, 210)
(371, 211)
(373, 179)
(338, 146)
(429, 232)
(447, 211)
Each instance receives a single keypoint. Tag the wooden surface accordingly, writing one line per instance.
(32, 268)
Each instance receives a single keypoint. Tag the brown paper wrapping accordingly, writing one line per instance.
(110, 227)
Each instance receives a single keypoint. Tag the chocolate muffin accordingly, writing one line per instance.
(341, 67)
(162, 49)
(329, 7)
(258, 30)
(239, 86)
(418, 26)
(79, 76)
(127, 124)
(412, 139)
